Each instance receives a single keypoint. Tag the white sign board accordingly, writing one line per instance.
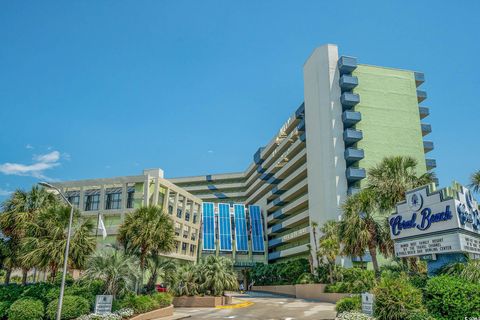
(446, 243)
(103, 304)
(367, 303)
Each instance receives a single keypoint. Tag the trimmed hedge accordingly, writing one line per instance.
(352, 280)
(163, 299)
(26, 309)
(140, 304)
(448, 297)
(349, 304)
(73, 307)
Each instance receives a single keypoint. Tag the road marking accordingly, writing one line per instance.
(236, 306)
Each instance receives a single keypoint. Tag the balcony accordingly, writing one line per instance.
(424, 112)
(351, 118)
(353, 155)
(421, 95)
(351, 136)
(355, 174)
(419, 78)
(348, 82)
(300, 112)
(347, 64)
(426, 129)
(349, 100)
(353, 191)
(431, 164)
(301, 125)
(257, 157)
(427, 146)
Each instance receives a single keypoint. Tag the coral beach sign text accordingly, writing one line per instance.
(433, 221)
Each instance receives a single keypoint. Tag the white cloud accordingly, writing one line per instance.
(41, 163)
(29, 146)
(4, 192)
(210, 151)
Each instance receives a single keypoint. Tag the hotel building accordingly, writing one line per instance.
(353, 115)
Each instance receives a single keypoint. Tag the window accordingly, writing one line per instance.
(74, 200)
(192, 248)
(113, 201)
(187, 215)
(91, 202)
(194, 235)
(170, 209)
(179, 213)
(194, 217)
(130, 198)
(184, 246)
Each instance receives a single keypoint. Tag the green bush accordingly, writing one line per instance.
(419, 280)
(26, 309)
(279, 273)
(305, 278)
(38, 291)
(396, 298)
(73, 307)
(349, 304)
(353, 316)
(352, 280)
(11, 292)
(448, 297)
(140, 304)
(163, 299)
(4, 306)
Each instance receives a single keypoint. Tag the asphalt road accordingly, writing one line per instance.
(266, 307)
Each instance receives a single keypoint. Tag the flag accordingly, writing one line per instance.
(101, 226)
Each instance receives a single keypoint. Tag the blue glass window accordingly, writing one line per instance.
(241, 236)
(225, 227)
(208, 226)
(257, 228)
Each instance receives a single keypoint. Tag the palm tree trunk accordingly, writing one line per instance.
(8, 275)
(24, 276)
(373, 253)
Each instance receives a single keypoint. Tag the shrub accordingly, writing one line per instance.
(11, 292)
(448, 297)
(396, 298)
(26, 309)
(140, 304)
(352, 280)
(4, 306)
(349, 304)
(419, 280)
(163, 299)
(279, 273)
(38, 291)
(305, 278)
(73, 307)
(353, 316)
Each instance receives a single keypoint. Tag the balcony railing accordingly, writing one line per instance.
(353, 155)
(350, 118)
(356, 174)
(426, 129)
(431, 164)
(421, 95)
(424, 112)
(419, 78)
(427, 146)
(348, 82)
(347, 64)
(351, 136)
(349, 100)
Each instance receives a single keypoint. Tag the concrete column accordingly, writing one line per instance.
(81, 204)
(101, 205)
(327, 184)
(165, 199)
(156, 190)
(146, 191)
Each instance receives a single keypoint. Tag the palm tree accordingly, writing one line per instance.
(46, 238)
(392, 177)
(329, 246)
(475, 182)
(160, 267)
(21, 208)
(361, 229)
(118, 271)
(216, 275)
(185, 281)
(314, 226)
(147, 231)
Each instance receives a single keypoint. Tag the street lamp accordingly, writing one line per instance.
(67, 247)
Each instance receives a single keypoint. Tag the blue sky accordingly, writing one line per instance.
(106, 88)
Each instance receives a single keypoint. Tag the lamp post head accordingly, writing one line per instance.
(46, 185)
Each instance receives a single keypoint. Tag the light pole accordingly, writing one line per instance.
(67, 247)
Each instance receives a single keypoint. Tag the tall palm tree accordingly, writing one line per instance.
(185, 281)
(314, 227)
(475, 182)
(146, 232)
(118, 271)
(361, 229)
(19, 209)
(46, 238)
(392, 177)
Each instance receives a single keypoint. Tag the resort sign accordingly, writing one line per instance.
(433, 221)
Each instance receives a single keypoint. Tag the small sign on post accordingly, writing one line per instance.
(367, 303)
(103, 304)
